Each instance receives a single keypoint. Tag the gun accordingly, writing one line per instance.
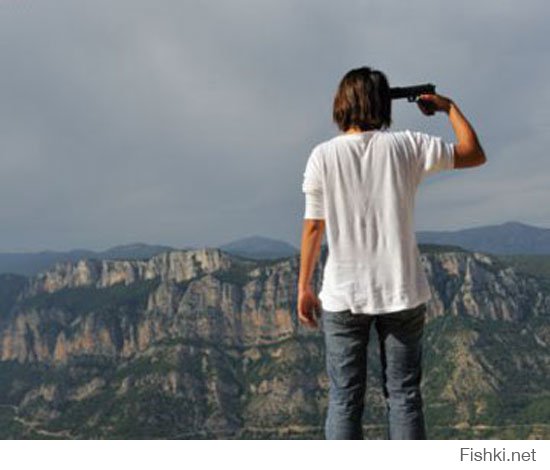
(412, 93)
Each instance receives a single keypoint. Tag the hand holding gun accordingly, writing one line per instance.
(412, 93)
(467, 150)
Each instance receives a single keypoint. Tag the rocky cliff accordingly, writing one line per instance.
(199, 342)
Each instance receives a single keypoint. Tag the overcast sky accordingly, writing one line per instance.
(189, 123)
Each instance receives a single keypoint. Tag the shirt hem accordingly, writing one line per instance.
(367, 309)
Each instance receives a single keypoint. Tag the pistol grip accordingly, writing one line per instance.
(427, 105)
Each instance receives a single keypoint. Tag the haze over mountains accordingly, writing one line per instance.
(257, 247)
(506, 238)
(28, 264)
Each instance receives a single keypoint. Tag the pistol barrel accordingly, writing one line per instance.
(412, 92)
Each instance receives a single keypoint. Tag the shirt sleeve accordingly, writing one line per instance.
(312, 187)
(434, 154)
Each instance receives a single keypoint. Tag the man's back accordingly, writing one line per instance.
(360, 190)
(363, 185)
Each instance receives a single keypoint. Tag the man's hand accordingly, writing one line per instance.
(429, 103)
(309, 308)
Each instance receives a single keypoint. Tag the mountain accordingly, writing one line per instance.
(133, 251)
(257, 247)
(510, 238)
(29, 264)
(506, 238)
(203, 344)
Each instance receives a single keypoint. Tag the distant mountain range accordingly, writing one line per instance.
(28, 264)
(507, 238)
(259, 248)
(504, 239)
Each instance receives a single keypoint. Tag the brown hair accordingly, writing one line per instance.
(362, 100)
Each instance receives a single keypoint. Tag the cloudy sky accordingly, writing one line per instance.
(189, 123)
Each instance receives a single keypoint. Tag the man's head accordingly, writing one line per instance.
(362, 100)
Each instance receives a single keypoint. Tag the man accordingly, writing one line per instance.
(360, 186)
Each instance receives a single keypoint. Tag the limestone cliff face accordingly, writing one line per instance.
(209, 295)
(201, 343)
(477, 285)
(175, 266)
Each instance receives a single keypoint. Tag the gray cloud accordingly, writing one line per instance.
(189, 123)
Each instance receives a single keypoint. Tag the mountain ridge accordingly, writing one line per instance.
(200, 343)
(507, 238)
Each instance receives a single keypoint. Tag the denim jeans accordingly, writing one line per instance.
(400, 342)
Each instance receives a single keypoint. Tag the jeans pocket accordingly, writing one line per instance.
(416, 312)
(342, 317)
(415, 320)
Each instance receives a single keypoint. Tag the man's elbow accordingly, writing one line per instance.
(479, 158)
(482, 157)
(469, 157)
(314, 225)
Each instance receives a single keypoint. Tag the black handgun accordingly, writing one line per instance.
(412, 93)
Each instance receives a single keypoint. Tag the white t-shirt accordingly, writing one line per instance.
(363, 185)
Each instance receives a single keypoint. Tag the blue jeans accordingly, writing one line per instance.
(400, 341)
